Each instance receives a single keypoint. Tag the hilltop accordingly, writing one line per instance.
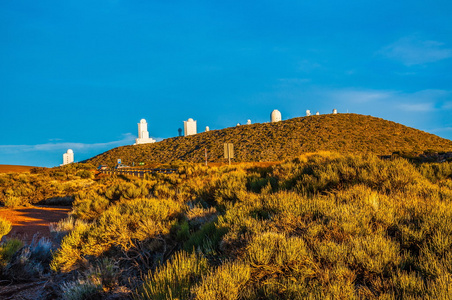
(15, 168)
(345, 133)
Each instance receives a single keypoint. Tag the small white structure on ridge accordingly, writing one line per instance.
(317, 113)
(238, 124)
(308, 113)
(143, 133)
(275, 116)
(68, 157)
(334, 111)
(248, 122)
(207, 128)
(189, 127)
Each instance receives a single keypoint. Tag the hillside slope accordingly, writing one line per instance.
(347, 133)
(15, 168)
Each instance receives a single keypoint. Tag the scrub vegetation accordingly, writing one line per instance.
(344, 133)
(323, 225)
(55, 186)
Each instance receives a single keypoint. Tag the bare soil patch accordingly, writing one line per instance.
(14, 169)
(28, 221)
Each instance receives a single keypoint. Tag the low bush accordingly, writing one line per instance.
(175, 279)
(30, 262)
(227, 282)
(120, 225)
(81, 289)
(206, 240)
(11, 201)
(8, 249)
(5, 227)
(85, 174)
(320, 226)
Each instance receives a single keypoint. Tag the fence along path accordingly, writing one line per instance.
(139, 172)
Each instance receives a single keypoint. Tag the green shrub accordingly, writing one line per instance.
(182, 231)
(5, 227)
(374, 254)
(70, 251)
(14, 201)
(226, 282)
(63, 227)
(90, 205)
(273, 254)
(125, 190)
(175, 279)
(81, 289)
(408, 284)
(31, 261)
(206, 240)
(8, 249)
(229, 186)
(85, 174)
(120, 225)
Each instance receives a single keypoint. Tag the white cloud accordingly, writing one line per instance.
(442, 129)
(417, 107)
(415, 51)
(127, 139)
(420, 101)
(360, 96)
(447, 105)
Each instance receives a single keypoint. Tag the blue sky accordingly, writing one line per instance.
(81, 74)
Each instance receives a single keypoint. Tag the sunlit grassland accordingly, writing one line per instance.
(319, 226)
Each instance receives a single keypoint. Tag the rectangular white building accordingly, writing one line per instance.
(68, 157)
(189, 127)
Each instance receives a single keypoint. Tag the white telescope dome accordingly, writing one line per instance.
(275, 116)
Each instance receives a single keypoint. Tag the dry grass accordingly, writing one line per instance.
(267, 142)
(323, 225)
(15, 169)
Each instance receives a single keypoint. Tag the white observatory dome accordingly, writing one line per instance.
(142, 121)
(70, 151)
(190, 120)
(275, 116)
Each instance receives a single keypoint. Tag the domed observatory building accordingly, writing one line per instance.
(189, 127)
(275, 116)
(68, 157)
(143, 133)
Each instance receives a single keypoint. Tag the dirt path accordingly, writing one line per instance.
(29, 221)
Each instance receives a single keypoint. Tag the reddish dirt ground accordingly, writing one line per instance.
(15, 169)
(29, 221)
